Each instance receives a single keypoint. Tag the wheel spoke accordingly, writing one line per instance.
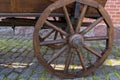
(81, 59)
(96, 38)
(56, 28)
(92, 51)
(61, 36)
(68, 20)
(81, 18)
(68, 60)
(40, 38)
(55, 37)
(92, 26)
(48, 34)
(57, 54)
(50, 42)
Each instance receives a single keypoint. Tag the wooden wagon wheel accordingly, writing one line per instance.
(76, 58)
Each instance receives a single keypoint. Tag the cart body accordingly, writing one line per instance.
(34, 7)
(68, 36)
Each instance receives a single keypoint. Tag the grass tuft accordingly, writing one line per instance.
(117, 74)
(43, 76)
(107, 78)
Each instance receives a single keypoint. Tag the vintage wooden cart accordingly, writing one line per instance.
(62, 35)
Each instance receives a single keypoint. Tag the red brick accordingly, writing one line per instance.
(118, 12)
(113, 8)
(118, 2)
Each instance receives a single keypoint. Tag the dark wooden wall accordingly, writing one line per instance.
(23, 6)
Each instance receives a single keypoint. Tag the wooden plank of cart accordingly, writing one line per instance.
(62, 35)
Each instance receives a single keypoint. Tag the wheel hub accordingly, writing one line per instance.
(76, 40)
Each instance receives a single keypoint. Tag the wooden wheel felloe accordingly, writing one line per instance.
(80, 53)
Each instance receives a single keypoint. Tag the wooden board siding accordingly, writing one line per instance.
(38, 6)
(23, 6)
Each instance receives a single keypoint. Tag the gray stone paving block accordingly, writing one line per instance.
(2, 61)
(36, 75)
(69, 79)
(33, 65)
(7, 55)
(1, 67)
(48, 75)
(39, 69)
(2, 53)
(3, 47)
(1, 77)
(26, 73)
(12, 46)
(111, 56)
(15, 55)
(6, 71)
(35, 60)
(117, 67)
(23, 79)
(19, 70)
(14, 50)
(109, 69)
(12, 76)
(9, 48)
(21, 62)
(8, 60)
(34, 78)
(25, 47)
(19, 59)
(28, 60)
(100, 73)
(18, 47)
(113, 76)
(55, 78)
(29, 48)
(99, 78)
(24, 54)
(118, 71)
(78, 79)
(31, 54)
(21, 50)
(89, 78)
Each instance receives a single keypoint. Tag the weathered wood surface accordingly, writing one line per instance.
(23, 6)
(33, 6)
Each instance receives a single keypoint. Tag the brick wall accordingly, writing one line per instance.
(113, 8)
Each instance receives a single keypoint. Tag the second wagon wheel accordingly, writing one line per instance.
(82, 52)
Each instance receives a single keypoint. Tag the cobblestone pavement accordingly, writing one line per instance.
(17, 62)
